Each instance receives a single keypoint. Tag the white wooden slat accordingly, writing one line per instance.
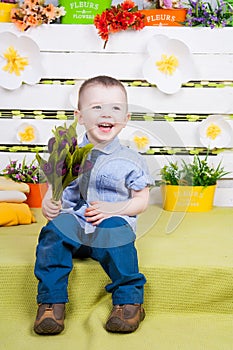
(129, 66)
(161, 133)
(63, 37)
(141, 99)
(6, 157)
(186, 100)
(43, 129)
(171, 134)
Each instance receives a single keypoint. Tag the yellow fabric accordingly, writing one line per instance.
(188, 263)
(12, 214)
(10, 185)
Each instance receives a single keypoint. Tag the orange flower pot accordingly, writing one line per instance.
(36, 194)
(187, 198)
(164, 17)
(5, 11)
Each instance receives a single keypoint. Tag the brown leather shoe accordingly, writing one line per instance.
(50, 319)
(125, 318)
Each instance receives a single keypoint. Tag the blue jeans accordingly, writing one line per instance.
(62, 239)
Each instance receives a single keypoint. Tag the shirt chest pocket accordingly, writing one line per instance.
(110, 188)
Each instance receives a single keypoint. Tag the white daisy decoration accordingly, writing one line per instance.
(27, 133)
(169, 65)
(140, 141)
(20, 61)
(215, 132)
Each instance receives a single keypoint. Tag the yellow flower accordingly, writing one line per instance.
(168, 64)
(15, 63)
(141, 141)
(213, 131)
(27, 135)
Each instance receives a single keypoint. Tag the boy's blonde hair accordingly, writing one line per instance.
(103, 80)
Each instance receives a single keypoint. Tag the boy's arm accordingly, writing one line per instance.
(98, 211)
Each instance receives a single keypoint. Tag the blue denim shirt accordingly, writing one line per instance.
(116, 172)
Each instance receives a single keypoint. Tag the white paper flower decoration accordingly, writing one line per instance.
(215, 132)
(27, 133)
(169, 64)
(20, 61)
(140, 141)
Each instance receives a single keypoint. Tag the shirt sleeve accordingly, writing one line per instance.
(71, 195)
(139, 177)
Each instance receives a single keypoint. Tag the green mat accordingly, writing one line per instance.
(187, 259)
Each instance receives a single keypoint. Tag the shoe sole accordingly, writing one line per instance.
(48, 326)
(117, 326)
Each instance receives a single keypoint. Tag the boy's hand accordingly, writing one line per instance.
(98, 211)
(50, 209)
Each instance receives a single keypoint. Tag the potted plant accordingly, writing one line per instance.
(190, 186)
(30, 174)
(164, 12)
(33, 13)
(201, 13)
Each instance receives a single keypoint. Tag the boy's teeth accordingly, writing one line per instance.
(105, 124)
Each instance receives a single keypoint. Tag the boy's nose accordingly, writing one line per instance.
(106, 111)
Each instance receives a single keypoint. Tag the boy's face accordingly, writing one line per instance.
(103, 112)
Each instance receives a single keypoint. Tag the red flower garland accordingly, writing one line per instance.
(117, 18)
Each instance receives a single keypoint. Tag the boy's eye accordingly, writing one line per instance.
(116, 108)
(97, 107)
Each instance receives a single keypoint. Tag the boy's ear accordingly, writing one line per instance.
(78, 116)
(128, 117)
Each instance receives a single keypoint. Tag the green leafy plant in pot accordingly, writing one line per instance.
(190, 186)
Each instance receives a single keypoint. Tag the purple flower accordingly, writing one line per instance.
(87, 166)
(51, 144)
(74, 144)
(48, 168)
(61, 168)
(62, 145)
(167, 4)
(74, 141)
(62, 132)
(75, 170)
(18, 177)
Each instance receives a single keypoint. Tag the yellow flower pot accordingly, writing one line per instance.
(5, 11)
(188, 198)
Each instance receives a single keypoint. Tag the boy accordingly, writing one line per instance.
(98, 215)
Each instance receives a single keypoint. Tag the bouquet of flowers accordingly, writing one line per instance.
(32, 13)
(117, 18)
(66, 160)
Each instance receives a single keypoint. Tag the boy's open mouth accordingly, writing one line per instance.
(105, 127)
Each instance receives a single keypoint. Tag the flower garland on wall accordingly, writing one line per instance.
(117, 18)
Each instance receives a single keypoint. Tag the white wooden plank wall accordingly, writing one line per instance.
(75, 52)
